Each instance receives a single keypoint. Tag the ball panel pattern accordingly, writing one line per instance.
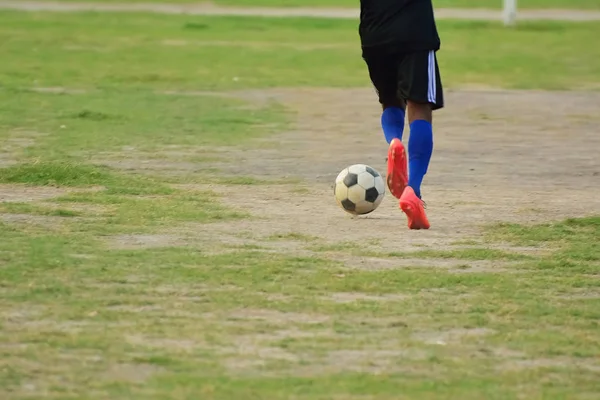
(357, 168)
(341, 191)
(348, 205)
(341, 176)
(371, 195)
(350, 180)
(372, 171)
(364, 208)
(356, 194)
(380, 184)
(366, 180)
(379, 199)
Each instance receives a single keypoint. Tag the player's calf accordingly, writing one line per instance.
(420, 144)
(392, 119)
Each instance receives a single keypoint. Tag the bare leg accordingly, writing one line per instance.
(419, 111)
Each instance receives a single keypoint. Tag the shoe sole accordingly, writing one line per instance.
(397, 174)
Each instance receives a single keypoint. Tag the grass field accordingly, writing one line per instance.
(167, 229)
(567, 4)
(150, 51)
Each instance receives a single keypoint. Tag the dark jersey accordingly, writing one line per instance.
(398, 25)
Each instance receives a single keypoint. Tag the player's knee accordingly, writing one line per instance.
(397, 103)
(419, 111)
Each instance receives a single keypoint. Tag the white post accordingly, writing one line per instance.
(510, 12)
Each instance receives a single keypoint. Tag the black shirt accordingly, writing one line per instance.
(398, 25)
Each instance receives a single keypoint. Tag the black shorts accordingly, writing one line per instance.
(411, 76)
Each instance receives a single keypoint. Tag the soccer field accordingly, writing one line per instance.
(168, 228)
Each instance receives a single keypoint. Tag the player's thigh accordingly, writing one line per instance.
(419, 79)
(383, 71)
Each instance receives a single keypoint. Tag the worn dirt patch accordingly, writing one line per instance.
(451, 336)
(17, 141)
(579, 294)
(57, 90)
(499, 156)
(354, 297)
(455, 265)
(133, 373)
(26, 193)
(132, 242)
(150, 166)
(247, 347)
(163, 343)
(83, 208)
(372, 361)
(22, 314)
(551, 363)
(369, 360)
(49, 325)
(278, 317)
(252, 354)
(28, 219)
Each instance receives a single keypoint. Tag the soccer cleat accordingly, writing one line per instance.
(397, 168)
(414, 208)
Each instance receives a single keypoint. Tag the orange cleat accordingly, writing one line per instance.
(414, 209)
(397, 168)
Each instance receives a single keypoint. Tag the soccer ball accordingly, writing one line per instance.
(359, 189)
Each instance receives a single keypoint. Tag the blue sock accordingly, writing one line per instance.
(392, 122)
(420, 148)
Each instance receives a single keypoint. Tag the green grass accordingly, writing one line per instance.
(170, 53)
(463, 254)
(30, 209)
(54, 174)
(575, 4)
(127, 203)
(69, 174)
(574, 237)
(180, 321)
(84, 124)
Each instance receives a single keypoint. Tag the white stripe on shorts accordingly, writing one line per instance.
(431, 92)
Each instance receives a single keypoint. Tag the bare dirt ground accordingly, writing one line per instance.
(499, 156)
(206, 8)
(518, 156)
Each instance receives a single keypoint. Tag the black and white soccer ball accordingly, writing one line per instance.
(359, 189)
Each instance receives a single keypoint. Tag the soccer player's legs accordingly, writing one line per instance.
(383, 70)
(420, 84)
